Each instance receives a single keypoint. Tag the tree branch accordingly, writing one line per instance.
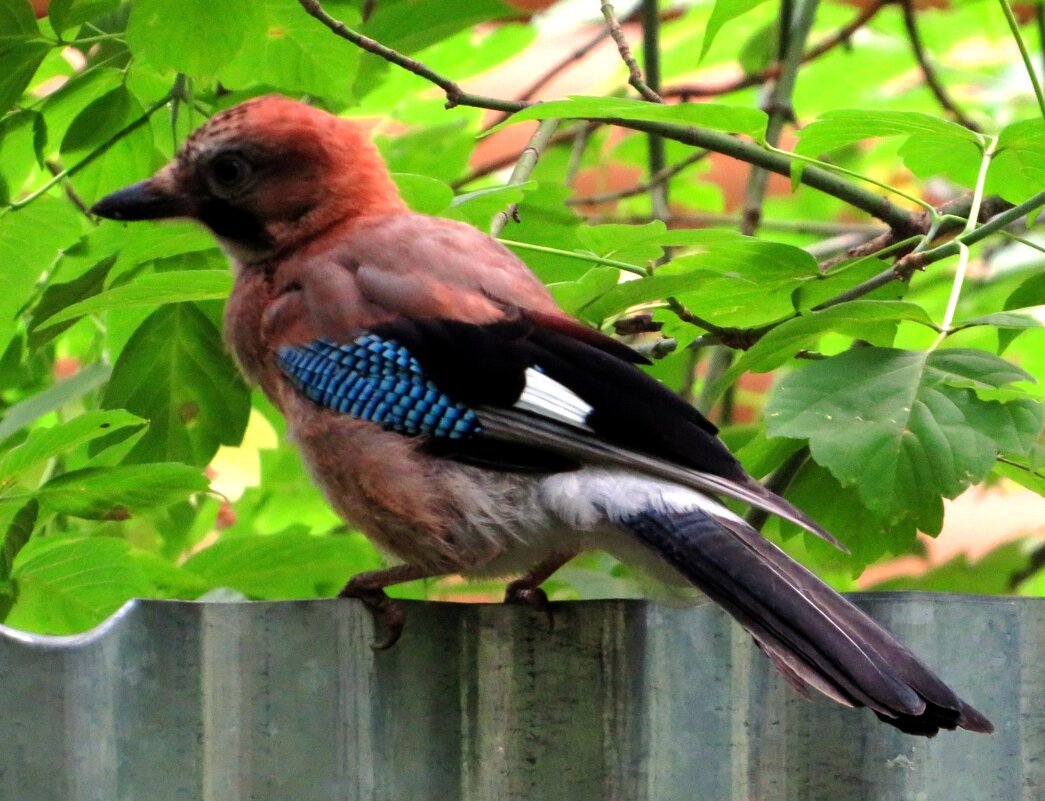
(931, 78)
(634, 73)
(523, 167)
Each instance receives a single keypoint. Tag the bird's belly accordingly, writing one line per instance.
(425, 510)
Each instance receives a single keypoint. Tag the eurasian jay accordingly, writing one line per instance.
(450, 409)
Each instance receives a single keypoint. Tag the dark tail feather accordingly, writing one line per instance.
(813, 635)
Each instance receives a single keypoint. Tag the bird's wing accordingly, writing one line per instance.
(523, 393)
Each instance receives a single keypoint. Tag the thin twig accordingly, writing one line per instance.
(932, 80)
(952, 216)
(455, 95)
(840, 37)
(664, 175)
(523, 167)
(634, 73)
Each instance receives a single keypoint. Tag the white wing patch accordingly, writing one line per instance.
(548, 398)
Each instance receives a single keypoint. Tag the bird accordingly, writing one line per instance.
(448, 408)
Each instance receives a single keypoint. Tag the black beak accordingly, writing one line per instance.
(142, 201)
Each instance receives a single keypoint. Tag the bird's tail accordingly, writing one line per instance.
(813, 635)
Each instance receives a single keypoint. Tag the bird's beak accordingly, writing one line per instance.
(155, 199)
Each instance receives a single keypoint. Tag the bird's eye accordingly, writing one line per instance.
(229, 171)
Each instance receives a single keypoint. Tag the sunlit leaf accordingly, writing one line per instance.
(722, 13)
(291, 565)
(175, 373)
(153, 289)
(172, 34)
(68, 585)
(116, 493)
(890, 422)
(45, 443)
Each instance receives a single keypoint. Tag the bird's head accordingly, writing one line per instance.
(265, 176)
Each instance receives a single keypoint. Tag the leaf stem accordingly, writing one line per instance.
(1032, 73)
(573, 254)
(963, 248)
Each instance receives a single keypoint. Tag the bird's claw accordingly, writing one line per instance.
(521, 592)
(385, 609)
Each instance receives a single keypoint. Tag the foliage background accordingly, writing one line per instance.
(134, 462)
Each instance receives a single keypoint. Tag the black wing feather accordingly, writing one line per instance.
(485, 365)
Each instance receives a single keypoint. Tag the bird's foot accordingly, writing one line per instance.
(387, 610)
(522, 591)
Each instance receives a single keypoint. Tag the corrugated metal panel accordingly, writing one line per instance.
(624, 700)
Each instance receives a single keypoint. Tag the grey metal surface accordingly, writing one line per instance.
(172, 701)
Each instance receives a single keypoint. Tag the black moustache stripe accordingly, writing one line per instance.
(235, 224)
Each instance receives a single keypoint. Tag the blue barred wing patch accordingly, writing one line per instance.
(375, 378)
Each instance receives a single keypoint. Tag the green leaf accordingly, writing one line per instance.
(410, 25)
(294, 53)
(890, 422)
(1022, 474)
(45, 443)
(196, 37)
(21, 50)
(30, 241)
(736, 280)
(18, 135)
(840, 510)
(871, 320)
(65, 586)
(289, 565)
(16, 23)
(65, 14)
(841, 127)
(153, 289)
(53, 398)
(718, 117)
(1028, 294)
(116, 493)
(175, 373)
(1017, 170)
(723, 12)
(1007, 319)
(423, 194)
(58, 296)
(123, 161)
(19, 530)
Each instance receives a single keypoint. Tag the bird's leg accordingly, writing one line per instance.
(527, 588)
(369, 588)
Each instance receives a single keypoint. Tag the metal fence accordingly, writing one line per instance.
(624, 701)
